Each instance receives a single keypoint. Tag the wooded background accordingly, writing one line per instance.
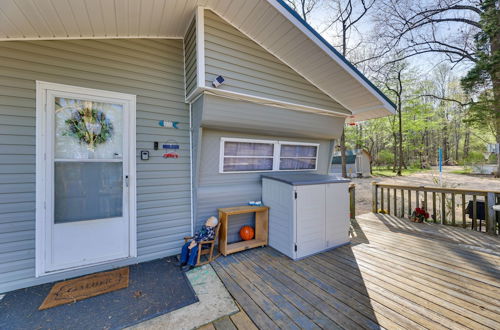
(438, 60)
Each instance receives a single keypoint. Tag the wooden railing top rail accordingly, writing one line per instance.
(437, 189)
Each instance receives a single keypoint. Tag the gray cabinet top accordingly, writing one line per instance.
(301, 179)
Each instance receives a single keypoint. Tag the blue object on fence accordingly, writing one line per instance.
(440, 160)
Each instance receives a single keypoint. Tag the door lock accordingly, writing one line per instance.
(126, 180)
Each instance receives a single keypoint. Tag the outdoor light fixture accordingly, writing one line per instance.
(218, 81)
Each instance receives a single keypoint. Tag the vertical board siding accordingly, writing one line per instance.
(250, 69)
(190, 60)
(216, 190)
(152, 70)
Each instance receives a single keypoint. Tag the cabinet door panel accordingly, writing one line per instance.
(310, 225)
(337, 214)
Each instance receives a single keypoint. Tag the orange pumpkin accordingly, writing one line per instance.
(246, 233)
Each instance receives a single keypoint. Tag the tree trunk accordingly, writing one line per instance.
(466, 144)
(445, 144)
(495, 49)
(359, 138)
(400, 115)
(342, 154)
(395, 151)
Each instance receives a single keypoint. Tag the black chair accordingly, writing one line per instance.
(480, 212)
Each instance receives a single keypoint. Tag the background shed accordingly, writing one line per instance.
(358, 163)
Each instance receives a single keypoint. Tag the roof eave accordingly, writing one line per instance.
(334, 54)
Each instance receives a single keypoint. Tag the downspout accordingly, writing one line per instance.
(191, 167)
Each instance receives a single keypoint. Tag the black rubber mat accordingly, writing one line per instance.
(155, 288)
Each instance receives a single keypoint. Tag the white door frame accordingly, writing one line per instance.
(42, 178)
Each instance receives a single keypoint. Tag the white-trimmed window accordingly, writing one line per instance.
(249, 155)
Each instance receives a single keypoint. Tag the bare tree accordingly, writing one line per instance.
(391, 77)
(346, 15)
(446, 27)
(304, 7)
(463, 32)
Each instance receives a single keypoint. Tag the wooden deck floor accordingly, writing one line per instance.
(395, 274)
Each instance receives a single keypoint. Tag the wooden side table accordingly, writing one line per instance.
(261, 228)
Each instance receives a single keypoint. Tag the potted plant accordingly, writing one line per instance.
(419, 215)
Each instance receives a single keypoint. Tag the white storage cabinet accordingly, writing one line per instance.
(309, 213)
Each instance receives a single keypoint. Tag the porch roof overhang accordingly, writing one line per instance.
(270, 23)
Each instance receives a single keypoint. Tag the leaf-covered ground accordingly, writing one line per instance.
(423, 178)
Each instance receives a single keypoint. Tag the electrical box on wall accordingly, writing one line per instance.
(144, 155)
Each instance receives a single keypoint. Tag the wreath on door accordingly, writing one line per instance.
(89, 125)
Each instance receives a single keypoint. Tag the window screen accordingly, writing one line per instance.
(298, 157)
(242, 155)
(248, 156)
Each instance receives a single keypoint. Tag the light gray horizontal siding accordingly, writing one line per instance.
(152, 70)
(250, 69)
(235, 115)
(216, 190)
(190, 61)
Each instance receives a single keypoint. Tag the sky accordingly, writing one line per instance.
(425, 63)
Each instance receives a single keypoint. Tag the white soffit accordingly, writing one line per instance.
(267, 22)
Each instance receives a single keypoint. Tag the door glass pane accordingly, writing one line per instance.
(87, 190)
(88, 149)
(86, 129)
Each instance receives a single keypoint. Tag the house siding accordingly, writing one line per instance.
(249, 69)
(216, 190)
(244, 116)
(152, 70)
(190, 60)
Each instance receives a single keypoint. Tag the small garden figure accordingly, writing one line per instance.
(189, 253)
(419, 215)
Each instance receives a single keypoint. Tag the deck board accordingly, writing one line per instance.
(395, 274)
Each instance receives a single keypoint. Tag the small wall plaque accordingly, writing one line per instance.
(169, 124)
(171, 146)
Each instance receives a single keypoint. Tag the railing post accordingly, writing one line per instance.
(443, 209)
(490, 213)
(464, 223)
(474, 212)
(374, 197)
(388, 200)
(352, 200)
(410, 211)
(395, 202)
(425, 199)
(434, 212)
(452, 209)
(402, 203)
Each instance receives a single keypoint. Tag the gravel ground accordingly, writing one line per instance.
(426, 178)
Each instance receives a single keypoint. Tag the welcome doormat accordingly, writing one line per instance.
(85, 287)
(155, 288)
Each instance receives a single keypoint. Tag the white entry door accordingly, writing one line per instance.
(85, 177)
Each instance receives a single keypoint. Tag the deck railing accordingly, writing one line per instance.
(448, 206)
(352, 201)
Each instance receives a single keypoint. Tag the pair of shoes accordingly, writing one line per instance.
(186, 268)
